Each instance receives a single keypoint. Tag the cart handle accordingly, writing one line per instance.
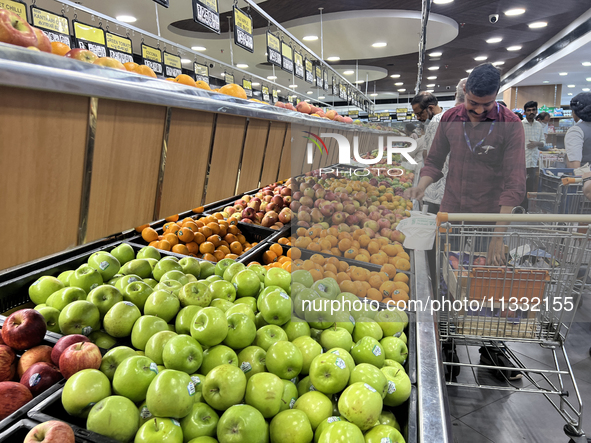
(571, 180)
(443, 217)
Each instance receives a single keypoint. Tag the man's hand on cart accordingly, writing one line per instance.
(587, 185)
(496, 252)
(414, 193)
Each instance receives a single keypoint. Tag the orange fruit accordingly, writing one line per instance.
(192, 247)
(287, 266)
(142, 227)
(198, 238)
(172, 239)
(215, 239)
(374, 294)
(401, 277)
(209, 257)
(184, 79)
(59, 48)
(233, 90)
(348, 286)
(316, 275)
(185, 235)
(402, 264)
(215, 228)
(402, 286)
(191, 225)
(202, 85)
(147, 71)
(198, 210)
(277, 249)
(180, 249)
(164, 245)
(269, 257)
(403, 255)
(389, 270)
(350, 253)
(387, 288)
(206, 247)
(232, 256)
(172, 218)
(149, 234)
(224, 248)
(131, 67)
(236, 248)
(283, 241)
(343, 266)
(377, 259)
(375, 281)
(218, 254)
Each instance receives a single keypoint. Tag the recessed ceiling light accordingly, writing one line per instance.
(310, 38)
(588, 79)
(516, 11)
(358, 82)
(349, 72)
(545, 81)
(433, 77)
(481, 58)
(433, 68)
(293, 86)
(321, 97)
(126, 18)
(398, 84)
(430, 90)
(271, 77)
(571, 86)
(514, 48)
(536, 25)
(278, 91)
(373, 95)
(442, 2)
(223, 74)
(379, 44)
(586, 89)
(494, 40)
(432, 85)
(198, 48)
(185, 60)
(563, 73)
(256, 84)
(242, 65)
(395, 76)
(570, 93)
(333, 59)
(498, 63)
(307, 100)
(402, 90)
(586, 63)
(310, 92)
(436, 54)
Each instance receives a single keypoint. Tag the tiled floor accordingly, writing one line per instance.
(506, 417)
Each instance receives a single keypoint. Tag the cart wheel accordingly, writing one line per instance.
(575, 437)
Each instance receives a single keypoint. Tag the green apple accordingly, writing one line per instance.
(329, 373)
(213, 278)
(148, 252)
(64, 277)
(151, 282)
(113, 358)
(267, 335)
(216, 356)
(175, 275)
(137, 292)
(327, 288)
(316, 334)
(259, 321)
(171, 394)
(119, 320)
(198, 383)
(165, 265)
(325, 424)
(303, 277)
(284, 359)
(367, 327)
(345, 356)
(79, 317)
(399, 386)
(133, 377)
(63, 297)
(242, 424)
(368, 350)
(341, 431)
(222, 289)
(115, 417)
(391, 322)
(316, 406)
(123, 253)
(289, 396)
(194, 293)
(145, 414)
(104, 297)
(296, 328)
(388, 418)
(159, 430)
(296, 288)
(278, 277)
(162, 304)
(259, 270)
(241, 308)
(275, 307)
(251, 302)
(241, 331)
(303, 301)
(395, 349)
(106, 264)
(222, 265)
(291, 426)
(182, 353)
(43, 288)
(361, 404)
(144, 328)
(310, 349)
(138, 266)
(125, 280)
(232, 270)
(252, 360)
(86, 278)
(171, 327)
(191, 266)
(305, 385)
(381, 433)
(201, 422)
(319, 318)
(184, 319)
(345, 320)
(102, 339)
(366, 373)
(336, 337)
(51, 316)
(153, 262)
(207, 269)
(155, 346)
(209, 326)
(224, 305)
(264, 391)
(83, 390)
(247, 282)
(115, 279)
(224, 386)
(170, 286)
(403, 338)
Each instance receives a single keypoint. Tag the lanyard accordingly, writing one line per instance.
(479, 144)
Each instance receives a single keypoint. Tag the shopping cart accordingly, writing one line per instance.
(528, 300)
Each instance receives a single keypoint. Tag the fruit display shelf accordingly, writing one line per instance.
(18, 432)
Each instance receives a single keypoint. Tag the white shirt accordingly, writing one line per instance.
(434, 192)
(534, 132)
(573, 143)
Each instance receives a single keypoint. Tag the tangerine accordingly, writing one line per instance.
(59, 48)
(149, 234)
(233, 90)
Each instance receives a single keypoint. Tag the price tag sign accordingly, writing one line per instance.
(273, 49)
(120, 48)
(247, 86)
(319, 79)
(309, 71)
(15, 6)
(172, 65)
(299, 65)
(162, 2)
(335, 87)
(206, 13)
(343, 92)
(91, 38)
(325, 77)
(152, 58)
(275, 96)
(385, 117)
(201, 73)
(229, 78)
(286, 57)
(56, 27)
(243, 30)
(354, 114)
(265, 91)
(401, 114)
(373, 117)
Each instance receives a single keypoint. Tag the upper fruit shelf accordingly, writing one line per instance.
(24, 68)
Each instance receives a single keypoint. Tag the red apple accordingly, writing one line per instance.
(7, 363)
(43, 43)
(82, 54)
(280, 104)
(304, 108)
(14, 396)
(40, 377)
(24, 329)
(15, 30)
(110, 63)
(290, 107)
(51, 432)
(331, 114)
(80, 356)
(32, 356)
(348, 120)
(63, 343)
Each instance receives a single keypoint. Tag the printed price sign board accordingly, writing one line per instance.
(273, 49)
(15, 6)
(286, 57)
(298, 65)
(56, 27)
(325, 77)
(91, 38)
(266, 93)
(385, 117)
(120, 48)
(243, 30)
(309, 71)
(319, 78)
(247, 86)
(275, 96)
(152, 58)
(201, 73)
(206, 13)
(229, 78)
(172, 65)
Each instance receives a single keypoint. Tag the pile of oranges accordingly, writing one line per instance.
(274, 257)
(383, 286)
(209, 238)
(357, 246)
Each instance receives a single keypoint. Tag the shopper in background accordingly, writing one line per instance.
(544, 119)
(577, 141)
(534, 140)
(519, 115)
(426, 106)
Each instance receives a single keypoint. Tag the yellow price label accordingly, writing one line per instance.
(173, 61)
(298, 59)
(246, 84)
(150, 53)
(309, 65)
(51, 22)
(201, 70)
(17, 7)
(89, 33)
(118, 43)
(212, 4)
(401, 110)
(242, 20)
(286, 51)
(273, 42)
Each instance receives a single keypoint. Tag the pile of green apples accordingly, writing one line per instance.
(227, 353)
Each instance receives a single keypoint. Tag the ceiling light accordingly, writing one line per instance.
(398, 84)
(373, 95)
(402, 90)
(310, 92)
(433, 77)
(293, 86)
(256, 84)
(536, 25)
(242, 65)
(432, 85)
(198, 48)
(271, 77)
(436, 54)
(358, 82)
(126, 18)
(588, 79)
(570, 93)
(430, 90)
(516, 11)
(571, 86)
(514, 48)
(586, 89)
(395, 76)
(321, 97)
(563, 73)
(223, 74)
(380, 45)
(310, 38)
(481, 58)
(586, 63)
(498, 63)
(278, 91)
(494, 40)
(545, 81)
(349, 72)
(333, 59)
(433, 68)
(442, 2)
(185, 60)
